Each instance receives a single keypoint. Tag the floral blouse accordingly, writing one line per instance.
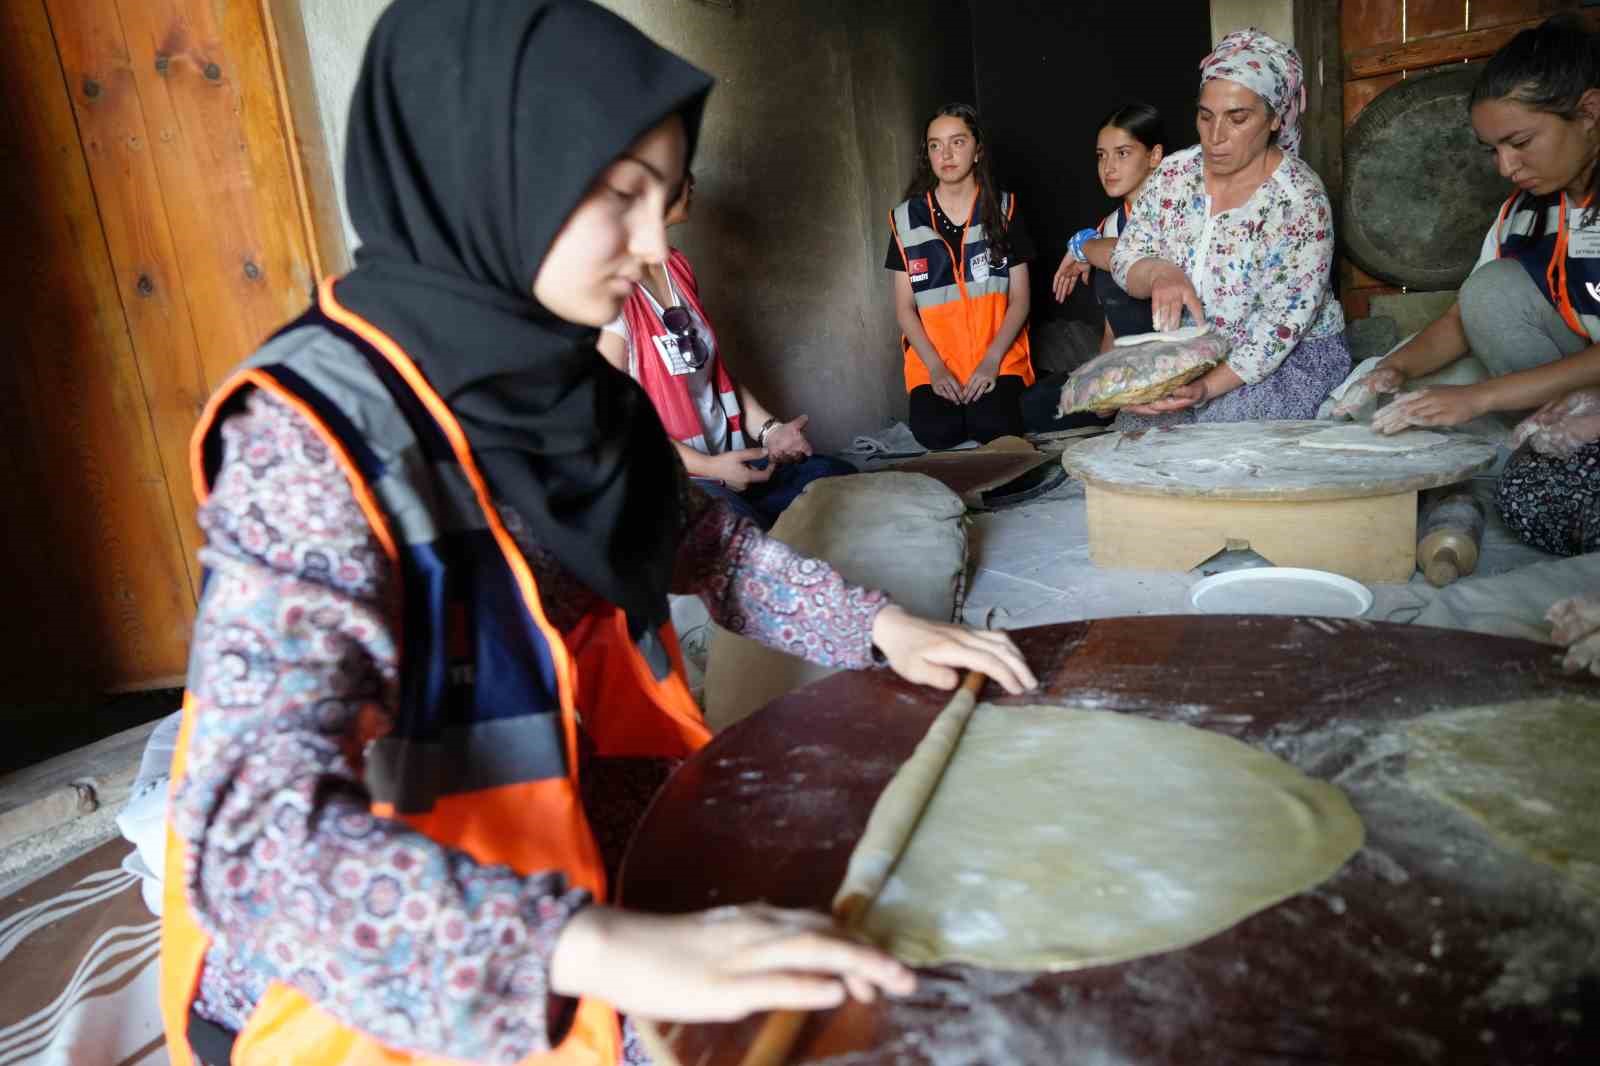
(296, 640)
(1263, 270)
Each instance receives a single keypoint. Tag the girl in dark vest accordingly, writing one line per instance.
(960, 255)
(440, 535)
(1530, 311)
(1130, 144)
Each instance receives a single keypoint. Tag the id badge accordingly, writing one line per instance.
(671, 356)
(978, 267)
(1583, 244)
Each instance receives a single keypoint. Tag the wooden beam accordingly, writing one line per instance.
(1445, 48)
(314, 172)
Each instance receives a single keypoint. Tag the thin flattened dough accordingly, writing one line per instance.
(1060, 838)
(1526, 771)
(1360, 437)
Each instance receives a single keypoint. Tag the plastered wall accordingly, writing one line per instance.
(808, 141)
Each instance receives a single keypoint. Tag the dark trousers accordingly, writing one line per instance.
(1040, 402)
(938, 423)
(1128, 316)
(764, 501)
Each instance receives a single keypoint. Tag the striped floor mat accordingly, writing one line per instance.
(78, 968)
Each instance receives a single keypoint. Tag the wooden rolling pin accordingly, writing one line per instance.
(1449, 535)
(894, 819)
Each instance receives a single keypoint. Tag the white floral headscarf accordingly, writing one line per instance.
(1270, 69)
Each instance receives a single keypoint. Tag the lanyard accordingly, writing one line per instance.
(1555, 274)
(958, 262)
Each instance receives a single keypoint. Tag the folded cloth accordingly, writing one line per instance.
(894, 440)
(143, 819)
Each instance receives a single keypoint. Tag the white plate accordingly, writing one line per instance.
(1281, 590)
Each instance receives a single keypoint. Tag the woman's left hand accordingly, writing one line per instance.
(932, 653)
(786, 443)
(1176, 400)
(1441, 405)
(1575, 623)
(981, 383)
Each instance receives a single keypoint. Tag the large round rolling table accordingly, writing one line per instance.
(1168, 499)
(1408, 955)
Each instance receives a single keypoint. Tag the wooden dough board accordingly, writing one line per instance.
(1168, 499)
(1391, 961)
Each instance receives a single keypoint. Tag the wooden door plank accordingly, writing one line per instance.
(1368, 24)
(1486, 13)
(1447, 48)
(1428, 18)
(314, 168)
(205, 80)
(133, 212)
(109, 560)
(1359, 93)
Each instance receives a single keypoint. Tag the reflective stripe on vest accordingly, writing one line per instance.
(482, 754)
(961, 302)
(1537, 232)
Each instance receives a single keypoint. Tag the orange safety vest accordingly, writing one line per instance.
(961, 299)
(521, 809)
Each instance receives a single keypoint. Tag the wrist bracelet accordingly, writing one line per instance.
(761, 434)
(1079, 239)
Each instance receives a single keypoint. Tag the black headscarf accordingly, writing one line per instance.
(476, 127)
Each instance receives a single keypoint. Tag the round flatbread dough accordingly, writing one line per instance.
(1061, 838)
(1524, 770)
(1360, 437)
(1183, 333)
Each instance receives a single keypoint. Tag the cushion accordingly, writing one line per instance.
(902, 533)
(1142, 369)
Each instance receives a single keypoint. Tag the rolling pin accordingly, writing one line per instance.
(889, 829)
(1448, 537)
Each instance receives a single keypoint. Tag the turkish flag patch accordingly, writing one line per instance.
(918, 266)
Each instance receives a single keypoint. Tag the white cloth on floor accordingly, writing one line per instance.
(143, 819)
(1511, 604)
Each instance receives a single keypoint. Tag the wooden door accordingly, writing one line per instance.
(159, 228)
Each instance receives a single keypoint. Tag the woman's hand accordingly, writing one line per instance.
(1068, 274)
(1441, 405)
(1575, 624)
(730, 469)
(1562, 426)
(945, 384)
(718, 965)
(1382, 380)
(1171, 292)
(786, 442)
(933, 653)
(982, 380)
(1176, 400)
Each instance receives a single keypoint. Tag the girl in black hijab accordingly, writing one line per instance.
(510, 163)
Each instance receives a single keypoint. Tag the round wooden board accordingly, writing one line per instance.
(1263, 461)
(1430, 946)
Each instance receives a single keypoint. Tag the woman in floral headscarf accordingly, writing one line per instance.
(1237, 232)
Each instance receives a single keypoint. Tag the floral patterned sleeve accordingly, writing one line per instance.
(765, 590)
(294, 650)
(1291, 265)
(1140, 238)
